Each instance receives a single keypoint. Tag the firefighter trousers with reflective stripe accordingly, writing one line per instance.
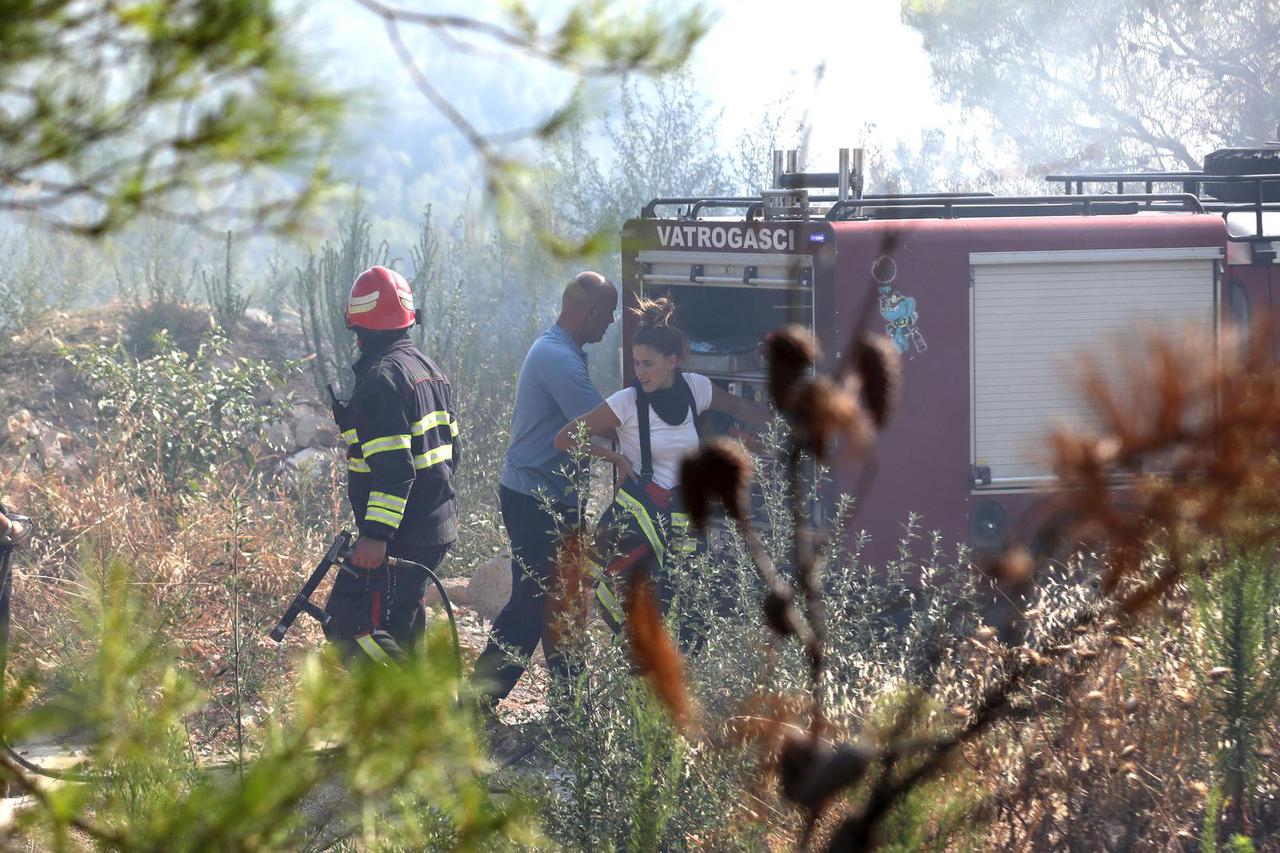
(380, 616)
(643, 530)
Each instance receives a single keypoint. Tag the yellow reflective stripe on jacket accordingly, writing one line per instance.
(453, 428)
(385, 516)
(642, 518)
(373, 650)
(381, 445)
(435, 456)
(358, 466)
(388, 501)
(351, 437)
(430, 421)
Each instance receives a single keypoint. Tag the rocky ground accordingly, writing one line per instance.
(476, 602)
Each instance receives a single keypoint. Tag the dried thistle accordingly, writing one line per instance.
(780, 611)
(719, 470)
(654, 654)
(812, 772)
(1204, 418)
(569, 601)
(821, 411)
(1012, 568)
(790, 353)
(878, 366)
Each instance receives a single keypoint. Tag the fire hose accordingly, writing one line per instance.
(339, 555)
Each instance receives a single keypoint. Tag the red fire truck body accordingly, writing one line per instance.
(990, 301)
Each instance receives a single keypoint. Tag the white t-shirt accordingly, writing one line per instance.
(669, 444)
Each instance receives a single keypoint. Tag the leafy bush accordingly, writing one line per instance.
(183, 417)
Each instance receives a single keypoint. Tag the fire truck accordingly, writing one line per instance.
(988, 298)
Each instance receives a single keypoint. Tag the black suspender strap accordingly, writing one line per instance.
(693, 405)
(646, 448)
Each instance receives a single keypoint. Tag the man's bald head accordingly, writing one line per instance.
(583, 289)
(587, 306)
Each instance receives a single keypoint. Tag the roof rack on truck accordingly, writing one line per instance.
(963, 205)
(694, 205)
(1242, 184)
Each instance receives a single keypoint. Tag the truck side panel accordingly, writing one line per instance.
(918, 275)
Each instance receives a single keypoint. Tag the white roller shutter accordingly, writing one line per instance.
(1032, 312)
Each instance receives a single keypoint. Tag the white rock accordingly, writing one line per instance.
(456, 588)
(311, 457)
(311, 465)
(258, 317)
(51, 445)
(20, 426)
(490, 586)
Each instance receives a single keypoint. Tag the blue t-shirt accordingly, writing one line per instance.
(553, 389)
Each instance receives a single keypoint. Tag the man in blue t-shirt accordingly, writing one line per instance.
(553, 389)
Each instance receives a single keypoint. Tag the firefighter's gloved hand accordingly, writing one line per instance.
(369, 553)
(12, 531)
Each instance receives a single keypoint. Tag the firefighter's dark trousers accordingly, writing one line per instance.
(535, 538)
(380, 616)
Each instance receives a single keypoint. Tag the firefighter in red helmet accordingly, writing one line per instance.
(402, 451)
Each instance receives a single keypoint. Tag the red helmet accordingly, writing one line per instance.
(381, 300)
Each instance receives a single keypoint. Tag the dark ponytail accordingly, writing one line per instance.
(657, 328)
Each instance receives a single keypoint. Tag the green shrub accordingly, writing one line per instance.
(1237, 612)
(184, 416)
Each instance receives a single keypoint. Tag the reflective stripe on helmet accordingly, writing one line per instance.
(361, 304)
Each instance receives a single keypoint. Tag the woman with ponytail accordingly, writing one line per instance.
(655, 419)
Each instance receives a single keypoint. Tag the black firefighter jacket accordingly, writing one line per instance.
(402, 447)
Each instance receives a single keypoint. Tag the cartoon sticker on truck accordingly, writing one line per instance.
(898, 311)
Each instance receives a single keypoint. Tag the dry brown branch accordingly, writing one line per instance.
(654, 653)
